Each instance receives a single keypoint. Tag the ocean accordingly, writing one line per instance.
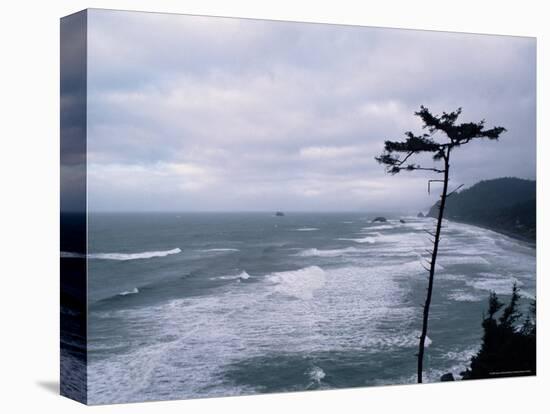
(191, 305)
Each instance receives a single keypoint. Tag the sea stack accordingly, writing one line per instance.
(380, 220)
(279, 214)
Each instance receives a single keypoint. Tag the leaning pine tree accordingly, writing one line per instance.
(444, 135)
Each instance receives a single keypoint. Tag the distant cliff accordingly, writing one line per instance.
(503, 204)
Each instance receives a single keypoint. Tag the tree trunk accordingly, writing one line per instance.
(432, 269)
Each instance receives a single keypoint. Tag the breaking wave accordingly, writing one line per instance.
(133, 256)
(300, 283)
(406, 340)
(327, 253)
(122, 256)
(129, 292)
(379, 227)
(315, 374)
(461, 296)
(241, 276)
(220, 250)
(370, 240)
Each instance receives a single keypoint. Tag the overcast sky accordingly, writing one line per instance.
(199, 113)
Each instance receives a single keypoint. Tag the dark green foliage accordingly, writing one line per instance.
(457, 135)
(529, 326)
(508, 348)
(504, 204)
(511, 314)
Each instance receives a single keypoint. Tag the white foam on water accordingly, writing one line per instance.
(458, 361)
(371, 233)
(133, 256)
(300, 283)
(316, 374)
(451, 277)
(220, 250)
(419, 225)
(370, 240)
(191, 342)
(307, 229)
(301, 311)
(427, 342)
(129, 292)
(462, 260)
(379, 227)
(241, 276)
(328, 253)
(462, 296)
(403, 242)
(404, 340)
(171, 366)
(527, 295)
(464, 355)
(423, 263)
(501, 285)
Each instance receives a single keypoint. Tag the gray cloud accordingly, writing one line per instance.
(197, 113)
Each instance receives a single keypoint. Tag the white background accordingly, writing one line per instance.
(29, 194)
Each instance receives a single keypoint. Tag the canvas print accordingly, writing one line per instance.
(252, 206)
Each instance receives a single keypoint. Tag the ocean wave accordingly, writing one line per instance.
(327, 253)
(499, 285)
(407, 340)
(370, 240)
(451, 277)
(220, 250)
(241, 276)
(307, 229)
(366, 305)
(527, 295)
(464, 355)
(461, 296)
(129, 292)
(463, 260)
(316, 375)
(371, 233)
(122, 256)
(133, 256)
(300, 283)
(430, 375)
(379, 227)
